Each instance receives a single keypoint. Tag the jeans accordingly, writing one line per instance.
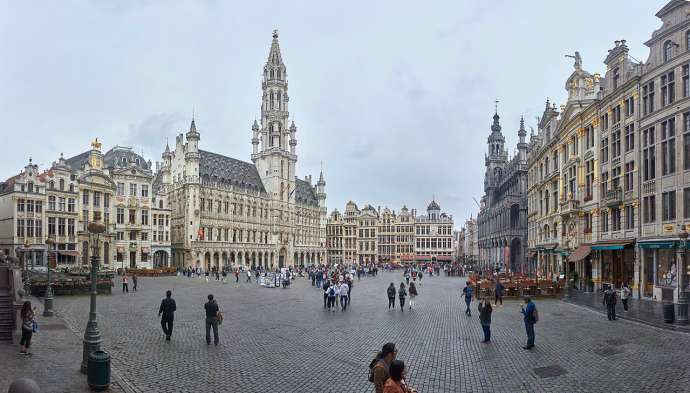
(402, 301)
(26, 338)
(391, 302)
(125, 287)
(499, 298)
(625, 304)
(487, 332)
(467, 310)
(611, 311)
(529, 327)
(325, 300)
(331, 302)
(167, 325)
(343, 302)
(212, 322)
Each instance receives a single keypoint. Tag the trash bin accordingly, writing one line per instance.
(98, 370)
(669, 313)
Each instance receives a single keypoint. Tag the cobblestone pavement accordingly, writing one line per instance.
(55, 362)
(282, 340)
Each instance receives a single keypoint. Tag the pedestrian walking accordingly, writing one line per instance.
(225, 277)
(530, 316)
(134, 282)
(467, 294)
(402, 294)
(419, 278)
(344, 295)
(167, 313)
(396, 380)
(498, 292)
(407, 276)
(27, 314)
(378, 368)
(391, 296)
(325, 287)
(625, 295)
(413, 294)
(237, 275)
(332, 294)
(485, 318)
(206, 275)
(125, 283)
(212, 314)
(249, 276)
(610, 303)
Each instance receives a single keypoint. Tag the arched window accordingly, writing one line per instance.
(668, 50)
(51, 185)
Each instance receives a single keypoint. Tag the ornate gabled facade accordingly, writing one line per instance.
(228, 212)
(502, 220)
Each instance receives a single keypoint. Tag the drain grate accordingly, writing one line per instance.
(52, 327)
(549, 371)
(608, 351)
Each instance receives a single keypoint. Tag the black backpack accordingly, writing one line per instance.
(371, 369)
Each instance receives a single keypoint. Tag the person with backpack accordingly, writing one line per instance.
(485, 318)
(467, 294)
(378, 368)
(167, 313)
(391, 296)
(625, 295)
(332, 294)
(610, 303)
(402, 293)
(407, 276)
(530, 316)
(413, 294)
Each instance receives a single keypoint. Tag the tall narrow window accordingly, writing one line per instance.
(668, 206)
(667, 89)
(686, 80)
(668, 50)
(629, 182)
(648, 98)
(686, 140)
(648, 154)
(629, 137)
(616, 143)
(616, 78)
(604, 150)
(668, 146)
(589, 179)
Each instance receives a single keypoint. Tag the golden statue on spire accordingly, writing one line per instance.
(96, 145)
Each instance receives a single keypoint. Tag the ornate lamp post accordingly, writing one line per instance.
(27, 269)
(48, 297)
(92, 336)
(682, 305)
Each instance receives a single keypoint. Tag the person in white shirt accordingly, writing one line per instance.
(343, 290)
(332, 293)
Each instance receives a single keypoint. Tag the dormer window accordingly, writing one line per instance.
(124, 160)
(668, 50)
(616, 77)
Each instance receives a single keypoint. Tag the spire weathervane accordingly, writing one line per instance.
(496, 106)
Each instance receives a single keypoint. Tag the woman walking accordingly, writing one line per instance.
(402, 293)
(391, 296)
(27, 314)
(485, 318)
(413, 294)
(125, 284)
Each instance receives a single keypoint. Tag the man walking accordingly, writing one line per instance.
(467, 293)
(125, 283)
(498, 291)
(610, 303)
(167, 313)
(530, 316)
(237, 275)
(249, 276)
(212, 310)
(344, 295)
(134, 282)
(391, 296)
(485, 318)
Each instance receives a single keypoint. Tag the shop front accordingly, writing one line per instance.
(660, 270)
(580, 261)
(616, 262)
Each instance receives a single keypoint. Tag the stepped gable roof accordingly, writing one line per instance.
(304, 193)
(219, 168)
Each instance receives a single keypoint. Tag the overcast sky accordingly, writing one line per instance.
(396, 98)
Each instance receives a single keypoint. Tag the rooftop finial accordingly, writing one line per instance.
(275, 33)
(496, 106)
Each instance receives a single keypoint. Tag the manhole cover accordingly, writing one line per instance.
(617, 342)
(52, 327)
(607, 351)
(549, 371)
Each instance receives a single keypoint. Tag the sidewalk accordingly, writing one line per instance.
(643, 311)
(55, 362)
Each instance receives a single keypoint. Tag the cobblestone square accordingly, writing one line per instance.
(283, 340)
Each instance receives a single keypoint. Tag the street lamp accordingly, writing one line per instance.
(27, 269)
(48, 297)
(92, 336)
(682, 305)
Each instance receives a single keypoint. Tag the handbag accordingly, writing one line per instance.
(220, 318)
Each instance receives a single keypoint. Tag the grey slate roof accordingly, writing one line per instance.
(113, 158)
(157, 182)
(78, 161)
(305, 193)
(219, 168)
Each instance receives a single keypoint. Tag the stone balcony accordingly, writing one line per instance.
(613, 198)
(570, 206)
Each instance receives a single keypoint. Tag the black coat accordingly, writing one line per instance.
(167, 309)
(391, 292)
(485, 313)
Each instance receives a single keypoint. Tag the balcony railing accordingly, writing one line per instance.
(613, 197)
(649, 187)
(570, 206)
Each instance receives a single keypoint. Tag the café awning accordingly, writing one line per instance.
(444, 258)
(422, 257)
(657, 244)
(612, 245)
(580, 253)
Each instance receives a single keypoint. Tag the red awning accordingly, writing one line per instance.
(444, 258)
(422, 257)
(406, 257)
(580, 253)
